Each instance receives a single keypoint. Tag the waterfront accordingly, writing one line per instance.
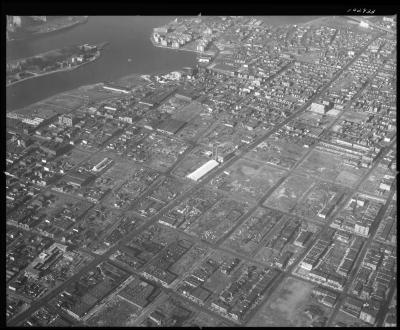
(129, 38)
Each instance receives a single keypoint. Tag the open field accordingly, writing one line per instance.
(322, 196)
(315, 120)
(219, 134)
(345, 320)
(95, 92)
(286, 196)
(195, 128)
(42, 109)
(54, 105)
(189, 111)
(131, 81)
(173, 105)
(286, 306)
(216, 282)
(195, 254)
(76, 156)
(117, 312)
(66, 100)
(248, 179)
(331, 168)
(206, 320)
(278, 152)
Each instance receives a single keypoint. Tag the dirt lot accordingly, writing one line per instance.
(248, 179)
(286, 306)
(330, 167)
(117, 312)
(207, 320)
(289, 192)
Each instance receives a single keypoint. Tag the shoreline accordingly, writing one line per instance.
(94, 84)
(51, 72)
(179, 49)
(100, 46)
(84, 20)
(44, 33)
(88, 86)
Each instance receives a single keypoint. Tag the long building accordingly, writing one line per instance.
(203, 170)
(116, 88)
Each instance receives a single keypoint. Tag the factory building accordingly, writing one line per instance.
(202, 170)
(102, 165)
(116, 89)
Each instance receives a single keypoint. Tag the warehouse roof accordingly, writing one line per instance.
(202, 170)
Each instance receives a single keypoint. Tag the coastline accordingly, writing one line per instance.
(84, 20)
(136, 74)
(100, 48)
(44, 33)
(51, 72)
(178, 49)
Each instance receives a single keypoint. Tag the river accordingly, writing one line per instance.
(128, 37)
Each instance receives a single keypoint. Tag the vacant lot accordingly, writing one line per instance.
(278, 151)
(195, 254)
(188, 112)
(289, 192)
(342, 319)
(330, 167)
(207, 320)
(195, 128)
(286, 306)
(248, 179)
(63, 102)
(117, 312)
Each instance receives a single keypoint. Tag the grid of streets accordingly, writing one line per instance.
(257, 188)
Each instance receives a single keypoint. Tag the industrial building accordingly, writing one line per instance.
(102, 165)
(203, 170)
(116, 89)
(321, 108)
